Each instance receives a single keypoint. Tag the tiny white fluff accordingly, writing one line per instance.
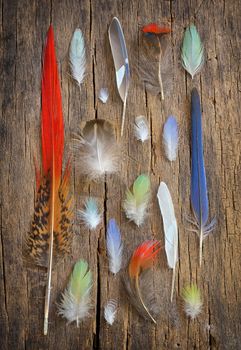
(90, 215)
(110, 311)
(104, 95)
(141, 128)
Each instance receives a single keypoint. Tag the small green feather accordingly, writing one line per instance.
(192, 51)
(192, 300)
(136, 201)
(75, 303)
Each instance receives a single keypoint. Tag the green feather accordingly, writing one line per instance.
(192, 51)
(81, 280)
(193, 302)
(137, 200)
(76, 301)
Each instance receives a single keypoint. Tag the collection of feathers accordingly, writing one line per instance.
(50, 237)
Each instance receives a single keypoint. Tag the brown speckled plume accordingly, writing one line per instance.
(50, 237)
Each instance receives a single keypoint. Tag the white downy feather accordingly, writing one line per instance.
(141, 128)
(170, 228)
(110, 311)
(104, 95)
(90, 216)
(97, 148)
(77, 56)
(171, 138)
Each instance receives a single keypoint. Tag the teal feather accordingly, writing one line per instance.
(192, 51)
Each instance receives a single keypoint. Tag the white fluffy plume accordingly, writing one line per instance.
(76, 301)
(77, 56)
(114, 246)
(104, 95)
(171, 138)
(110, 311)
(170, 228)
(141, 128)
(90, 216)
(97, 148)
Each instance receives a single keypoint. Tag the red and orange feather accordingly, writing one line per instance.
(153, 28)
(50, 237)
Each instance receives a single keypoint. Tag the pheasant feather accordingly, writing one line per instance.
(192, 51)
(170, 138)
(199, 192)
(50, 237)
(114, 246)
(170, 229)
(76, 302)
(77, 57)
(142, 259)
(137, 200)
(121, 62)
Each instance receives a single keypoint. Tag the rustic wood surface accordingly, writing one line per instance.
(24, 25)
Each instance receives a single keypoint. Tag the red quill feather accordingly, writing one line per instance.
(52, 115)
(50, 237)
(142, 258)
(153, 28)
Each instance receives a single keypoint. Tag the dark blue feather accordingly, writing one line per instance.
(199, 195)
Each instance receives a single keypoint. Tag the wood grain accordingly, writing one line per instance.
(23, 29)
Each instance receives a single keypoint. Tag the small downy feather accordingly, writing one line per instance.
(76, 302)
(136, 201)
(170, 138)
(138, 282)
(192, 51)
(77, 56)
(97, 149)
(103, 95)
(141, 128)
(170, 229)
(110, 311)
(114, 246)
(192, 301)
(90, 216)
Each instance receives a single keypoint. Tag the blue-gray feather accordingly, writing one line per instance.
(199, 194)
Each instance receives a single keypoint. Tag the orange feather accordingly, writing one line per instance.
(153, 28)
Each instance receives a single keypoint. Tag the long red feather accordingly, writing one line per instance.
(52, 115)
(51, 235)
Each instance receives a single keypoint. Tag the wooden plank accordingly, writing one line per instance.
(23, 29)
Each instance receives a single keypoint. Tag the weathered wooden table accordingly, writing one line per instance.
(23, 29)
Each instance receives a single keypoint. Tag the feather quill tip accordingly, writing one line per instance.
(90, 216)
(192, 301)
(110, 311)
(171, 138)
(104, 95)
(141, 128)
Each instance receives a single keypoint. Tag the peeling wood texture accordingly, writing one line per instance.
(24, 25)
